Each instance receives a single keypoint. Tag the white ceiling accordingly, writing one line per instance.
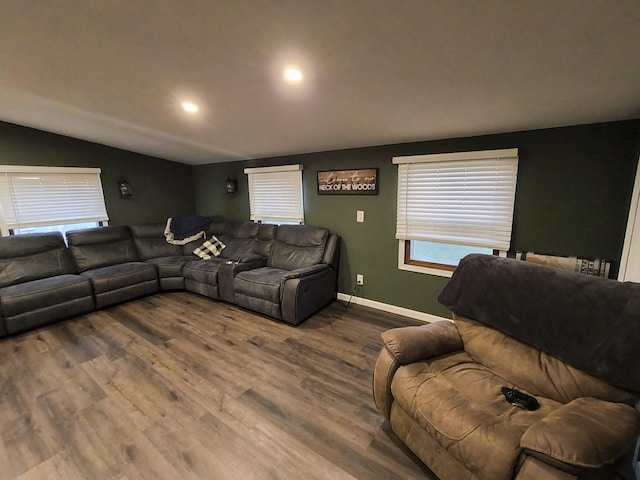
(376, 71)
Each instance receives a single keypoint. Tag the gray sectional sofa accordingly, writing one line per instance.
(287, 272)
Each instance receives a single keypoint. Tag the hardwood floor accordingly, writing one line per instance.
(178, 386)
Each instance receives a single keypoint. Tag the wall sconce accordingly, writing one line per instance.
(231, 186)
(125, 188)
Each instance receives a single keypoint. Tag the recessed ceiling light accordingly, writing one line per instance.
(190, 107)
(293, 75)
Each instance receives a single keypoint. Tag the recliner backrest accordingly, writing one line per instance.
(31, 257)
(530, 368)
(265, 238)
(239, 238)
(298, 246)
(102, 246)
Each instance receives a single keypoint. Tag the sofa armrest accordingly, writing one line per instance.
(228, 270)
(304, 271)
(249, 257)
(304, 291)
(585, 434)
(410, 344)
(407, 345)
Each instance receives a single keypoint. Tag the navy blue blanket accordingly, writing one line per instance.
(181, 230)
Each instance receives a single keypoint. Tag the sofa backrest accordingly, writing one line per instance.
(31, 257)
(102, 246)
(239, 238)
(265, 238)
(150, 242)
(298, 246)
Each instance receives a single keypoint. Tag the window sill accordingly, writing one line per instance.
(416, 268)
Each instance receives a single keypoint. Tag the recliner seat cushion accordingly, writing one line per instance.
(114, 277)
(29, 304)
(263, 283)
(169, 266)
(203, 271)
(459, 403)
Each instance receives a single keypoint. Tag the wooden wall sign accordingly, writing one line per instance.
(348, 182)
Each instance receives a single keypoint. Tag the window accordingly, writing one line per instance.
(37, 198)
(275, 194)
(450, 205)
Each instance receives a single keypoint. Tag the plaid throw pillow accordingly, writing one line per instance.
(209, 249)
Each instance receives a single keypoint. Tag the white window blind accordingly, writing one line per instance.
(275, 194)
(36, 196)
(462, 198)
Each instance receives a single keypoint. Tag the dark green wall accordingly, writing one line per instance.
(161, 188)
(573, 195)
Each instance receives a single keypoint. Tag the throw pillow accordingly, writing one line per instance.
(209, 249)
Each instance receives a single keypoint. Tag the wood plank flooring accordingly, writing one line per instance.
(177, 386)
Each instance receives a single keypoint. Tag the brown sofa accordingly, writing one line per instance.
(569, 340)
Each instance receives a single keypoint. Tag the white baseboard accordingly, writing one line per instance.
(385, 307)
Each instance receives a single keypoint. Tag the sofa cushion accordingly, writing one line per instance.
(532, 369)
(23, 297)
(114, 277)
(39, 302)
(263, 283)
(170, 266)
(101, 247)
(31, 257)
(459, 403)
(297, 246)
(203, 271)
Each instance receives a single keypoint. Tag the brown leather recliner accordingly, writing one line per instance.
(569, 340)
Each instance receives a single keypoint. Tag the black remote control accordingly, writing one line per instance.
(519, 399)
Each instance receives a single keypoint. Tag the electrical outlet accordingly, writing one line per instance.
(359, 279)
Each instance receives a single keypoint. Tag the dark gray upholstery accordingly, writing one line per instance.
(31, 257)
(103, 246)
(287, 272)
(299, 278)
(214, 278)
(38, 284)
(150, 242)
(298, 246)
(108, 257)
(168, 259)
(39, 302)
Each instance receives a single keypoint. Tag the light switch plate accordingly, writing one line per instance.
(360, 216)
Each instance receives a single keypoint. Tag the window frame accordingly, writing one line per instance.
(61, 188)
(286, 174)
(405, 261)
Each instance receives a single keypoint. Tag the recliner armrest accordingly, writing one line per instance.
(304, 271)
(249, 257)
(410, 344)
(586, 433)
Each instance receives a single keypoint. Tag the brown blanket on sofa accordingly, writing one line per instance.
(588, 322)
